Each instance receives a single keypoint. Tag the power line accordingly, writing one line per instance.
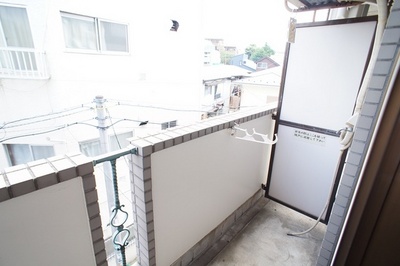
(65, 113)
(37, 133)
(170, 109)
(47, 131)
(49, 116)
(159, 107)
(131, 120)
(65, 126)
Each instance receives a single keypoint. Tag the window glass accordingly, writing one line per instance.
(79, 33)
(24, 153)
(168, 124)
(42, 152)
(14, 27)
(113, 37)
(92, 148)
(207, 90)
(217, 92)
(19, 153)
(120, 141)
(89, 33)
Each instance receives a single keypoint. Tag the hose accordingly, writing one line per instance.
(327, 200)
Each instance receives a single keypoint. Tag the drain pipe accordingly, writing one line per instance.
(373, 138)
(382, 17)
(381, 5)
(346, 136)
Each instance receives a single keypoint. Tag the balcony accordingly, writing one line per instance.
(194, 187)
(22, 63)
(188, 186)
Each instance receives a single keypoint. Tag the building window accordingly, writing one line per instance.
(217, 92)
(262, 65)
(168, 124)
(94, 34)
(16, 42)
(213, 90)
(14, 28)
(92, 148)
(208, 90)
(24, 153)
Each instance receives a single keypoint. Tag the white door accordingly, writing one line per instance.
(324, 69)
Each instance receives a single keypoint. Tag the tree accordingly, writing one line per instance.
(256, 53)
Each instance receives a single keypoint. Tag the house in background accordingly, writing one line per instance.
(218, 85)
(67, 53)
(266, 63)
(226, 51)
(260, 87)
(221, 46)
(212, 56)
(243, 61)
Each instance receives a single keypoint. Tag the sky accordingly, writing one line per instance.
(243, 22)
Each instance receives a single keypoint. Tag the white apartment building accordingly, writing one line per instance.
(57, 56)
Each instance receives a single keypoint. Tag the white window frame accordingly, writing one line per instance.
(98, 30)
(262, 65)
(208, 90)
(29, 38)
(31, 154)
(217, 92)
(86, 147)
(169, 124)
(19, 55)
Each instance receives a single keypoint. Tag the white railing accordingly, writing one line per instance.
(22, 63)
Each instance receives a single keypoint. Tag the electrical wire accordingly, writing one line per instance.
(129, 120)
(49, 116)
(173, 109)
(161, 107)
(48, 131)
(64, 113)
(38, 133)
(43, 120)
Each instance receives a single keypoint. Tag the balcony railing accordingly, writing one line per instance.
(118, 221)
(22, 63)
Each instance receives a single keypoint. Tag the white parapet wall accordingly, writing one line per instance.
(188, 180)
(50, 213)
(47, 227)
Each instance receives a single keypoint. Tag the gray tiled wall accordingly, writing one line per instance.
(363, 133)
(141, 175)
(23, 179)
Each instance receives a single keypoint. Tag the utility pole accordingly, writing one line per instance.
(105, 148)
(102, 124)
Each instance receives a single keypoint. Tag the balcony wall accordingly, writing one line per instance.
(190, 184)
(50, 214)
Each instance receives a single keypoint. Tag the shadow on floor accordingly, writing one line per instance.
(264, 240)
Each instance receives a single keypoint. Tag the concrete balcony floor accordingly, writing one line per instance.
(263, 239)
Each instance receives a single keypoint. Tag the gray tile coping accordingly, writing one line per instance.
(181, 134)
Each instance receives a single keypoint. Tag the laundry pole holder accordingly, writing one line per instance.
(254, 136)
